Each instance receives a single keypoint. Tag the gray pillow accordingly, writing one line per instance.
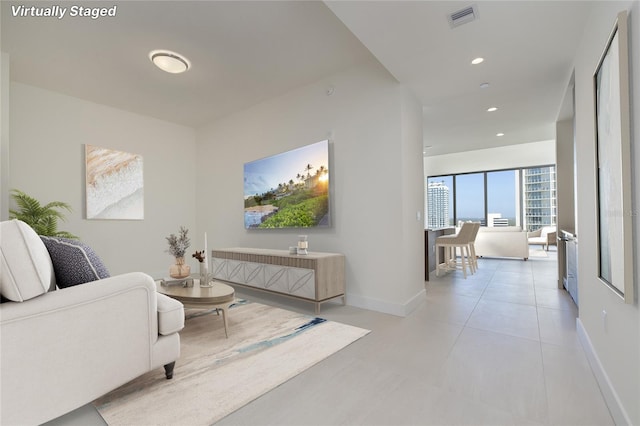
(74, 262)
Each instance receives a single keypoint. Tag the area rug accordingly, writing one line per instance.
(215, 376)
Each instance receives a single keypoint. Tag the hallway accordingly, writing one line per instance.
(498, 348)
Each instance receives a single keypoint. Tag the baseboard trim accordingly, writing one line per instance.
(413, 303)
(397, 309)
(619, 414)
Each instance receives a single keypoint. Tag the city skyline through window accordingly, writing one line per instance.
(515, 197)
(502, 197)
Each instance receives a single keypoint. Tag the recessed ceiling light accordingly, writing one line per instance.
(477, 61)
(492, 109)
(499, 134)
(170, 62)
(484, 85)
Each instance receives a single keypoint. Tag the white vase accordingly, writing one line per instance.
(205, 278)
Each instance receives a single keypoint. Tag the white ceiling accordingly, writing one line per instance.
(244, 53)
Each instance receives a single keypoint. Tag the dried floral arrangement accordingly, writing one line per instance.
(178, 245)
(199, 255)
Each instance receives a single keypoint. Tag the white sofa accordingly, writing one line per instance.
(62, 349)
(502, 241)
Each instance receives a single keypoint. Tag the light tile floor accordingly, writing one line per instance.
(499, 348)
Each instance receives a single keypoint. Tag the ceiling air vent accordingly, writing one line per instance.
(463, 16)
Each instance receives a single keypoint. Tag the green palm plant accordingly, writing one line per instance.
(43, 219)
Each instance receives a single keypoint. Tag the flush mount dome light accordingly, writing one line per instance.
(477, 61)
(168, 61)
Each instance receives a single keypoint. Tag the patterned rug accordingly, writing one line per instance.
(215, 376)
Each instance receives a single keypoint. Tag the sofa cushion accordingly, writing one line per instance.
(74, 262)
(547, 230)
(26, 270)
(170, 315)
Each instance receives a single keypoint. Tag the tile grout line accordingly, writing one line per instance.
(462, 328)
(544, 375)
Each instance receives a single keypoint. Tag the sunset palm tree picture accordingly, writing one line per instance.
(288, 190)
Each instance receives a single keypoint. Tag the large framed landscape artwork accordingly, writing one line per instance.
(114, 184)
(613, 152)
(288, 190)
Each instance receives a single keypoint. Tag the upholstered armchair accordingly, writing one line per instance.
(545, 236)
(61, 348)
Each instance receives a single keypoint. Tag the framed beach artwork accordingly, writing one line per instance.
(114, 184)
(288, 190)
(613, 152)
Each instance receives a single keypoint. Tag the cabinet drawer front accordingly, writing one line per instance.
(301, 282)
(282, 279)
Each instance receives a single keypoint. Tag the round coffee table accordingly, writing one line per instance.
(218, 296)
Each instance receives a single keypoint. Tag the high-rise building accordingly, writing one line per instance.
(539, 197)
(437, 205)
(496, 220)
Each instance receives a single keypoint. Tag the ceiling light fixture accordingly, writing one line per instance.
(492, 109)
(484, 85)
(477, 61)
(170, 62)
(499, 134)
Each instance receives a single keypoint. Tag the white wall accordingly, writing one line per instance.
(614, 342)
(412, 194)
(47, 137)
(370, 150)
(565, 175)
(4, 134)
(504, 157)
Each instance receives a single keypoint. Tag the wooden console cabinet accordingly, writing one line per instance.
(316, 277)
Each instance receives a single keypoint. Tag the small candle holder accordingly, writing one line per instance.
(205, 277)
(303, 244)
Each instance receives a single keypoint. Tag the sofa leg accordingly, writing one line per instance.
(168, 369)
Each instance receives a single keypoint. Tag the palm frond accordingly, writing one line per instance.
(28, 205)
(57, 205)
(48, 226)
(43, 219)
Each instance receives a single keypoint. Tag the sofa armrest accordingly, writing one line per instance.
(552, 237)
(70, 346)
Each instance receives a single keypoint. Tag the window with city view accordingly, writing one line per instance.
(515, 197)
(439, 202)
(469, 196)
(503, 200)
